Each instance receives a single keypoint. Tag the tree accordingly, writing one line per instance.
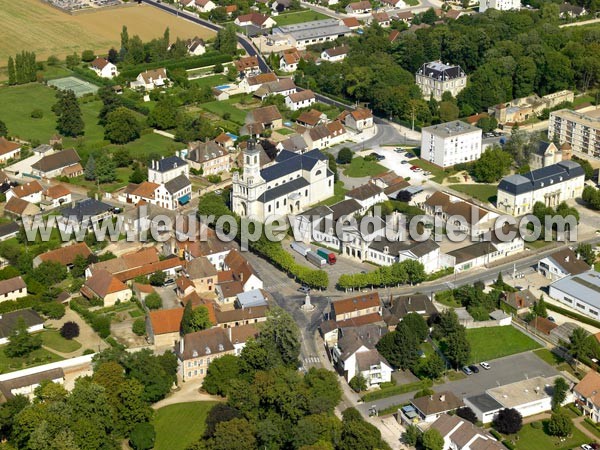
(539, 308)
(281, 329)
(21, 342)
(219, 374)
(578, 343)
(69, 120)
(466, 413)
(153, 301)
(69, 330)
(559, 392)
(236, 434)
(158, 278)
(122, 126)
(90, 169)
(508, 421)
(412, 435)
(345, 156)
(87, 55)
(457, 348)
(432, 440)
(226, 40)
(560, 424)
(72, 61)
(12, 75)
(586, 252)
(50, 272)
(433, 367)
(113, 56)
(586, 166)
(3, 129)
(221, 412)
(200, 319)
(448, 111)
(139, 326)
(400, 347)
(138, 175)
(105, 170)
(142, 436)
(121, 157)
(417, 325)
(487, 124)
(358, 383)
(80, 263)
(164, 115)
(493, 164)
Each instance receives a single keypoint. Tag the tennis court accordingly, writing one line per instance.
(79, 87)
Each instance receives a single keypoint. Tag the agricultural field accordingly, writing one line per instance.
(179, 425)
(35, 26)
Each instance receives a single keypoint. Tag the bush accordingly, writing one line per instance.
(153, 301)
(52, 310)
(88, 351)
(508, 421)
(69, 330)
(396, 390)
(37, 113)
(208, 59)
(139, 326)
(87, 55)
(345, 156)
(157, 278)
(142, 437)
(537, 425)
(358, 383)
(101, 325)
(424, 393)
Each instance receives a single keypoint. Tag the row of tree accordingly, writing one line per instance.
(22, 69)
(405, 272)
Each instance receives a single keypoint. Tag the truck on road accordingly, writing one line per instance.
(300, 248)
(327, 254)
(315, 259)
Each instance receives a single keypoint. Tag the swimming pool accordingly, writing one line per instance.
(223, 87)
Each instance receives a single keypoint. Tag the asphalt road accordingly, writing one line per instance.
(503, 371)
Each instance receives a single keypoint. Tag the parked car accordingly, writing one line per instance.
(398, 150)
(551, 319)
(377, 156)
(485, 365)
(304, 289)
(426, 173)
(474, 368)
(413, 168)
(404, 161)
(586, 447)
(410, 155)
(467, 371)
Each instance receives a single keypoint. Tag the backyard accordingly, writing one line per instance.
(496, 342)
(179, 425)
(53, 340)
(486, 193)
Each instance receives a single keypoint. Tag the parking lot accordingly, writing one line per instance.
(398, 162)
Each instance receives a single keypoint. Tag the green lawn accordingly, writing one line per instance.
(339, 192)
(554, 360)
(151, 143)
(359, 167)
(496, 342)
(122, 180)
(212, 81)
(438, 173)
(53, 339)
(483, 192)
(530, 438)
(52, 72)
(221, 108)
(299, 17)
(177, 426)
(285, 131)
(35, 358)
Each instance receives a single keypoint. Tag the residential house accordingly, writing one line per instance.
(568, 11)
(230, 9)
(359, 119)
(458, 214)
(299, 100)
(30, 192)
(251, 84)
(8, 150)
(403, 305)
(519, 302)
(237, 317)
(454, 14)
(335, 54)
(105, 286)
(204, 6)
(460, 434)
(311, 118)
(251, 299)
(289, 60)
(209, 246)
(394, 3)
(361, 7)
(184, 286)
(225, 141)
(266, 117)
(163, 327)
(256, 19)
(84, 214)
(104, 68)
(352, 23)
(546, 154)
(281, 5)
(242, 271)
(26, 385)
(393, 36)
(381, 18)
(387, 252)
(42, 150)
(166, 169)
(283, 86)
(295, 144)
(9, 230)
(561, 264)
(150, 79)
(543, 325)
(247, 65)
(142, 290)
(197, 46)
(471, 256)
(219, 94)
(202, 273)
(578, 129)
(430, 407)
(525, 108)
(324, 135)
(405, 16)
(12, 289)
(435, 78)
(587, 395)
(17, 208)
(240, 335)
(64, 163)
(56, 196)
(228, 288)
(9, 321)
(356, 306)
(500, 5)
(368, 195)
(196, 350)
(65, 256)
(208, 157)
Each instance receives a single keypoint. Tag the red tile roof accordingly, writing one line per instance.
(166, 320)
(66, 255)
(357, 303)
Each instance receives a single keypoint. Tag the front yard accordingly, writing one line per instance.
(496, 342)
(180, 425)
(531, 438)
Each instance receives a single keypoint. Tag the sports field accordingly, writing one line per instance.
(32, 25)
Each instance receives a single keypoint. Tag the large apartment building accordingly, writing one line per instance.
(435, 78)
(500, 5)
(450, 143)
(581, 131)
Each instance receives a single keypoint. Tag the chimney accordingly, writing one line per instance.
(566, 258)
(181, 345)
(442, 398)
(229, 333)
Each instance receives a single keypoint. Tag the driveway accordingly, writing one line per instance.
(505, 370)
(169, 298)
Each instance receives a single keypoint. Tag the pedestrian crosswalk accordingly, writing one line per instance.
(312, 360)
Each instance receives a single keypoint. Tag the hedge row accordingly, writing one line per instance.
(90, 76)
(573, 315)
(397, 390)
(208, 59)
(100, 323)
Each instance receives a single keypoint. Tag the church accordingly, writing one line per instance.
(291, 184)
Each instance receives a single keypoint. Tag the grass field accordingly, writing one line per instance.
(530, 438)
(496, 342)
(212, 81)
(35, 358)
(359, 167)
(53, 339)
(34, 26)
(483, 192)
(177, 426)
(221, 108)
(299, 17)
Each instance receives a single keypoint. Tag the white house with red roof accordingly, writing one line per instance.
(104, 68)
